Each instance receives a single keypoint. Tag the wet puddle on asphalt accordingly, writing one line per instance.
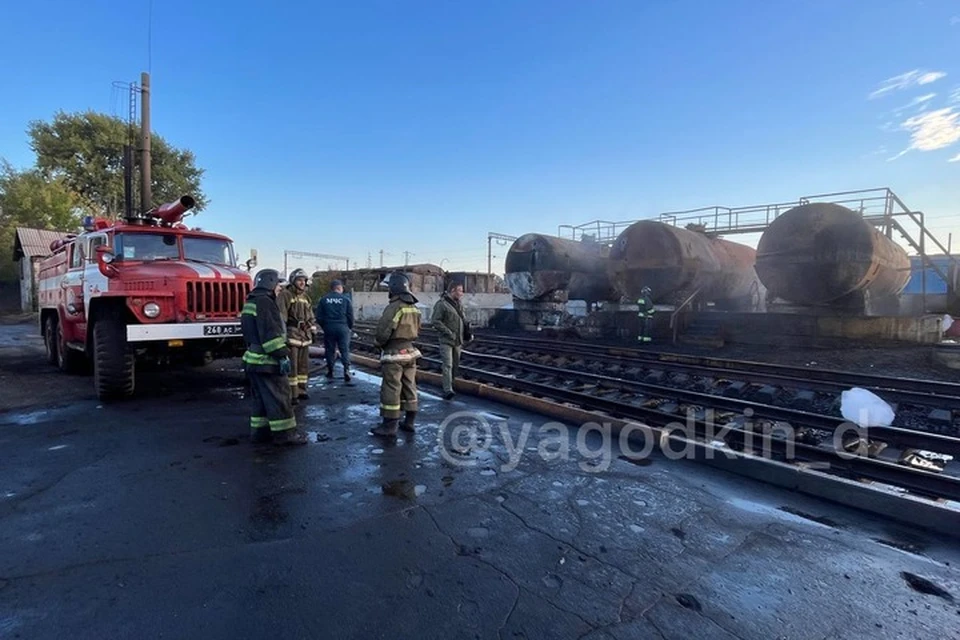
(25, 418)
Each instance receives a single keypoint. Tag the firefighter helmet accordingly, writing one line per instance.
(298, 273)
(646, 291)
(267, 279)
(398, 283)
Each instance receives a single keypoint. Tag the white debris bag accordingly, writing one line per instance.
(947, 323)
(865, 408)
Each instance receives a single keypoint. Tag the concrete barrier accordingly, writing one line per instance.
(478, 308)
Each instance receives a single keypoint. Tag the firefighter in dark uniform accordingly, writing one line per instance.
(399, 326)
(297, 313)
(267, 363)
(646, 314)
(335, 315)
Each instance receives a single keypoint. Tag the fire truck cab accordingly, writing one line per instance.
(143, 289)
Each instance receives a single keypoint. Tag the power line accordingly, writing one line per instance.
(306, 254)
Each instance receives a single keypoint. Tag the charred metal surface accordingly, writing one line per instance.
(823, 253)
(539, 265)
(675, 262)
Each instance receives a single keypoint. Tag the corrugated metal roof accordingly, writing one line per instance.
(34, 243)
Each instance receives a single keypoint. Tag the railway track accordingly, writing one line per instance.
(917, 462)
(921, 405)
(908, 389)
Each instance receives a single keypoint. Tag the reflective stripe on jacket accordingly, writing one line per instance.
(297, 313)
(646, 307)
(263, 330)
(399, 326)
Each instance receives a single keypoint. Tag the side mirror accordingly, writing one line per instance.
(105, 260)
(252, 262)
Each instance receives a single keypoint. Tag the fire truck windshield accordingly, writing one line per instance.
(146, 246)
(208, 250)
(163, 246)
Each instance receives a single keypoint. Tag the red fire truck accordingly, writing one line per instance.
(145, 288)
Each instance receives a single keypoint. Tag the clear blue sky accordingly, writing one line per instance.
(347, 128)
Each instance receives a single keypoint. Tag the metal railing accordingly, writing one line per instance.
(881, 207)
(748, 219)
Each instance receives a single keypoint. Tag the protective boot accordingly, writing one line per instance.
(407, 424)
(289, 438)
(329, 373)
(260, 435)
(346, 375)
(388, 429)
(302, 392)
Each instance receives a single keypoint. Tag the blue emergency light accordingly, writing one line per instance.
(88, 223)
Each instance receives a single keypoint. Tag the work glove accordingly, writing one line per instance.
(285, 366)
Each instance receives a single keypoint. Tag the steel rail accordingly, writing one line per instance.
(903, 438)
(918, 481)
(918, 390)
(912, 390)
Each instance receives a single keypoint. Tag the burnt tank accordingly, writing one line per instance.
(675, 262)
(824, 254)
(541, 268)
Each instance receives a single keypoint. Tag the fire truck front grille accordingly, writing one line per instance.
(216, 298)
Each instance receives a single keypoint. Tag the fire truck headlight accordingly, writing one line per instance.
(151, 309)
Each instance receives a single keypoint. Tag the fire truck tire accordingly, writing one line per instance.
(112, 360)
(50, 339)
(69, 360)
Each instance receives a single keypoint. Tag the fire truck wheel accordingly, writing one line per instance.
(112, 361)
(50, 339)
(69, 360)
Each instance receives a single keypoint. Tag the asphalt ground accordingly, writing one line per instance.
(157, 518)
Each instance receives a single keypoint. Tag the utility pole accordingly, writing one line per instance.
(369, 261)
(146, 196)
(304, 254)
(406, 257)
(501, 239)
(383, 253)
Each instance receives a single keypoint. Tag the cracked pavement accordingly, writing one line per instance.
(156, 518)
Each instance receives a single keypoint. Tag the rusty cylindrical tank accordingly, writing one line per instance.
(819, 253)
(674, 262)
(538, 266)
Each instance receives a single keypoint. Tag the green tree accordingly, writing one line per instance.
(28, 199)
(85, 150)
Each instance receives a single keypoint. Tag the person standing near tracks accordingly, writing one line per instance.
(646, 311)
(335, 315)
(267, 363)
(399, 326)
(297, 314)
(449, 321)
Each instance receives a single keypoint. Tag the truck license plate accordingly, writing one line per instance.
(222, 330)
